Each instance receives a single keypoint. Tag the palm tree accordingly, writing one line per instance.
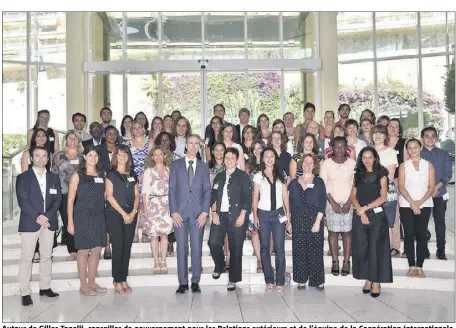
(150, 85)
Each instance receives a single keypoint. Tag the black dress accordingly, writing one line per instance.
(371, 246)
(307, 246)
(89, 213)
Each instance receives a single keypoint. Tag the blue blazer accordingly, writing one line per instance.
(315, 196)
(185, 199)
(31, 201)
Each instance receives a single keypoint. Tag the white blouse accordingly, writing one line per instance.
(416, 183)
(265, 192)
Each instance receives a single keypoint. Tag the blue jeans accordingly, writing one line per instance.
(390, 211)
(269, 222)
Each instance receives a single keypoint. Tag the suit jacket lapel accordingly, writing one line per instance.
(35, 183)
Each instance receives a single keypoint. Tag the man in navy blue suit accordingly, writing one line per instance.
(189, 201)
(39, 196)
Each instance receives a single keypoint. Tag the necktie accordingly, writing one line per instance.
(191, 172)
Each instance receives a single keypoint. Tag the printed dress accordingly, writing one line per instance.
(139, 158)
(157, 220)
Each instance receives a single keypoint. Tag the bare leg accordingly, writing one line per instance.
(154, 244)
(94, 260)
(256, 244)
(82, 260)
(108, 244)
(164, 251)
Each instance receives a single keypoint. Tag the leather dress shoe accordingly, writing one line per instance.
(196, 288)
(441, 256)
(27, 300)
(182, 289)
(48, 293)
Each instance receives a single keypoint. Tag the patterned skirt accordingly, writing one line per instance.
(338, 222)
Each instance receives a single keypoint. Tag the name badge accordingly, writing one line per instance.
(98, 180)
(74, 161)
(215, 186)
(246, 157)
(378, 210)
(446, 196)
(131, 179)
(53, 191)
(310, 185)
(51, 138)
(283, 219)
(397, 152)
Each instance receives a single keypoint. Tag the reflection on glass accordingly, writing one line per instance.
(263, 40)
(264, 95)
(397, 93)
(115, 33)
(49, 92)
(143, 93)
(14, 98)
(224, 37)
(298, 34)
(184, 94)
(396, 33)
(181, 35)
(48, 37)
(227, 89)
(14, 36)
(107, 90)
(294, 92)
(142, 35)
(354, 35)
(433, 32)
(451, 18)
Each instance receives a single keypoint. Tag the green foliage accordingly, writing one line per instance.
(449, 89)
(10, 143)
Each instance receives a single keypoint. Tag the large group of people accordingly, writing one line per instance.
(360, 179)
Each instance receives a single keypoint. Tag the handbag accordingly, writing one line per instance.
(392, 192)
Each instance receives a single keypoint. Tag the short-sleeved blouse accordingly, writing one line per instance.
(368, 188)
(123, 188)
(65, 167)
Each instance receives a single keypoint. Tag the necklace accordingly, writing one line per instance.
(125, 179)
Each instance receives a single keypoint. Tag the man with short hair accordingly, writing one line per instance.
(231, 203)
(95, 132)
(106, 117)
(244, 118)
(39, 195)
(443, 171)
(79, 121)
(189, 201)
(344, 112)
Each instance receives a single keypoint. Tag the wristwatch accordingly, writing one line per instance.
(135, 210)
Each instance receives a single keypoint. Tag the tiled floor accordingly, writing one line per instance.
(247, 304)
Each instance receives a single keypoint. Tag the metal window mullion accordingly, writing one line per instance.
(125, 93)
(203, 37)
(160, 94)
(281, 36)
(159, 32)
(203, 100)
(317, 74)
(420, 75)
(124, 35)
(88, 54)
(374, 45)
(282, 91)
(28, 55)
(317, 34)
(246, 88)
(246, 36)
(447, 38)
(318, 94)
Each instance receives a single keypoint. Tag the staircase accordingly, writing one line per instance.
(439, 274)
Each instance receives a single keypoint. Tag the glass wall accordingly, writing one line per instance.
(409, 56)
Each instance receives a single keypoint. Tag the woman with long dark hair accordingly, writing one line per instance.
(168, 123)
(125, 128)
(228, 137)
(417, 185)
(278, 141)
(247, 140)
(367, 113)
(271, 214)
(156, 127)
(307, 145)
(365, 131)
(122, 195)
(217, 125)
(86, 219)
(42, 121)
(371, 252)
(263, 127)
(142, 119)
(279, 126)
(39, 138)
(216, 164)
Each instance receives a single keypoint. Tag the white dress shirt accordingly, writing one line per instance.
(42, 183)
(187, 164)
(225, 205)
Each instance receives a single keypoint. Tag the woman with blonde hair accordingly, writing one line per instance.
(65, 163)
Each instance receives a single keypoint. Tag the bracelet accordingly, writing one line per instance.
(214, 211)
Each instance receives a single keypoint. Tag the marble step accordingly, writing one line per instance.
(140, 267)
(401, 282)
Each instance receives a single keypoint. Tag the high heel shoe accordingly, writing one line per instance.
(345, 272)
(375, 295)
(335, 268)
(367, 291)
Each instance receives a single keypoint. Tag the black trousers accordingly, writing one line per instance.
(235, 242)
(67, 238)
(438, 213)
(415, 226)
(121, 240)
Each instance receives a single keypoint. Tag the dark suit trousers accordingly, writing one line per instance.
(196, 243)
(438, 211)
(67, 238)
(235, 241)
(121, 239)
